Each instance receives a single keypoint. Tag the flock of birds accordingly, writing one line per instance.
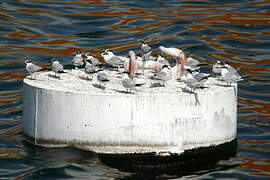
(186, 69)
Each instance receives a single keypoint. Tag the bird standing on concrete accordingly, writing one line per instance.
(145, 50)
(91, 59)
(112, 59)
(78, 60)
(129, 84)
(89, 68)
(201, 77)
(163, 76)
(32, 68)
(111, 53)
(229, 74)
(57, 68)
(193, 63)
(190, 81)
(216, 68)
(102, 78)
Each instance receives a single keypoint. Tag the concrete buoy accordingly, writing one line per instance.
(73, 111)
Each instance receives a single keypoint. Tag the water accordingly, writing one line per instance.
(235, 31)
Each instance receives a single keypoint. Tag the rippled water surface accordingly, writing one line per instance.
(235, 31)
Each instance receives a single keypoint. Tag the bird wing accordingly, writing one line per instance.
(146, 49)
(115, 61)
(57, 67)
(33, 68)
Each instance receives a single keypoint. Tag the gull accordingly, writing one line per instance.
(194, 62)
(111, 54)
(102, 78)
(162, 76)
(78, 60)
(230, 68)
(90, 58)
(113, 60)
(229, 74)
(57, 68)
(89, 68)
(190, 81)
(32, 68)
(145, 50)
(216, 68)
(129, 84)
(201, 77)
(162, 60)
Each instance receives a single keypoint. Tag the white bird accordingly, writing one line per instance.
(57, 68)
(129, 84)
(102, 78)
(78, 60)
(216, 68)
(32, 68)
(113, 60)
(111, 54)
(229, 74)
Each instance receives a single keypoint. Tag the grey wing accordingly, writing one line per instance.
(95, 61)
(128, 83)
(193, 62)
(57, 67)
(146, 49)
(115, 61)
(102, 77)
(89, 68)
(33, 68)
(200, 76)
(193, 83)
(161, 76)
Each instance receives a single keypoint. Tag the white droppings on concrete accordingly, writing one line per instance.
(72, 110)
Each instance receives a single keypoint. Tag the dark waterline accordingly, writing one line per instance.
(235, 31)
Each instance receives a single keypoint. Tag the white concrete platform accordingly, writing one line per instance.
(74, 111)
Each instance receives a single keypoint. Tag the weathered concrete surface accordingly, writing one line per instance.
(74, 111)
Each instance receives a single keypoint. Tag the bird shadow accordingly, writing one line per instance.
(156, 85)
(222, 85)
(99, 86)
(86, 78)
(197, 102)
(54, 76)
(122, 91)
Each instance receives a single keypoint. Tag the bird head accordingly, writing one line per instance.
(28, 61)
(52, 60)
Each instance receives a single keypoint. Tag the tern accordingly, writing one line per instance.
(57, 68)
(89, 68)
(78, 60)
(32, 68)
(102, 78)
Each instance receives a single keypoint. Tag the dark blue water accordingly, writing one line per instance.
(235, 31)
